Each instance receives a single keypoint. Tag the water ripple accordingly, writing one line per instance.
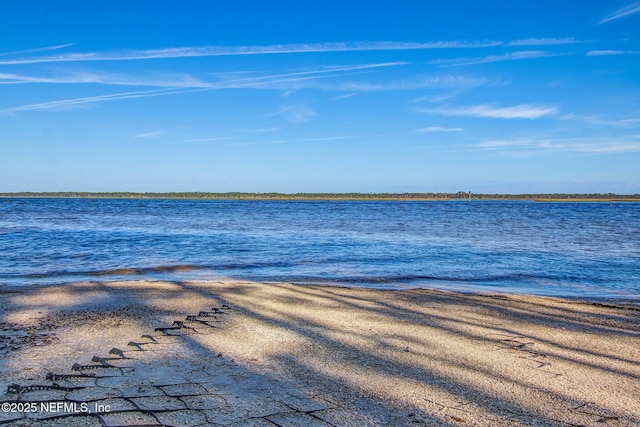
(567, 249)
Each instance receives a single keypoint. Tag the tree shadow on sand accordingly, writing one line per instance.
(286, 354)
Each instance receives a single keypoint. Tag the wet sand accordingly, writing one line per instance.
(310, 355)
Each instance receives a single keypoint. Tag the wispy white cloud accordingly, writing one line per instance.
(441, 97)
(211, 139)
(345, 96)
(514, 143)
(294, 113)
(299, 140)
(313, 79)
(603, 147)
(631, 9)
(72, 103)
(522, 111)
(612, 52)
(635, 122)
(36, 50)
(175, 81)
(330, 138)
(185, 80)
(274, 81)
(6, 79)
(437, 129)
(260, 130)
(593, 145)
(296, 80)
(204, 51)
(154, 134)
(544, 41)
(414, 82)
(511, 56)
(329, 78)
(279, 112)
(631, 122)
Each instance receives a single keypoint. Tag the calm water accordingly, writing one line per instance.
(589, 250)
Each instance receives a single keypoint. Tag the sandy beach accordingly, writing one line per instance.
(251, 354)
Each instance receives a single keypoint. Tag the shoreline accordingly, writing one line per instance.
(339, 197)
(358, 356)
(618, 301)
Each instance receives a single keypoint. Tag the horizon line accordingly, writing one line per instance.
(319, 195)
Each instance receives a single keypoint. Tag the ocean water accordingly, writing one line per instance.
(584, 250)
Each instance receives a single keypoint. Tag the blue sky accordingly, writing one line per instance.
(320, 96)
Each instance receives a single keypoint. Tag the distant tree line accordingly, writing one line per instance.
(325, 196)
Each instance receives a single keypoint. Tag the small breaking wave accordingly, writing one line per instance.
(135, 271)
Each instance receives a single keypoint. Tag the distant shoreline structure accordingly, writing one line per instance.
(460, 195)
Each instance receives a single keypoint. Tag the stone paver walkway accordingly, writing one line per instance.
(150, 382)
